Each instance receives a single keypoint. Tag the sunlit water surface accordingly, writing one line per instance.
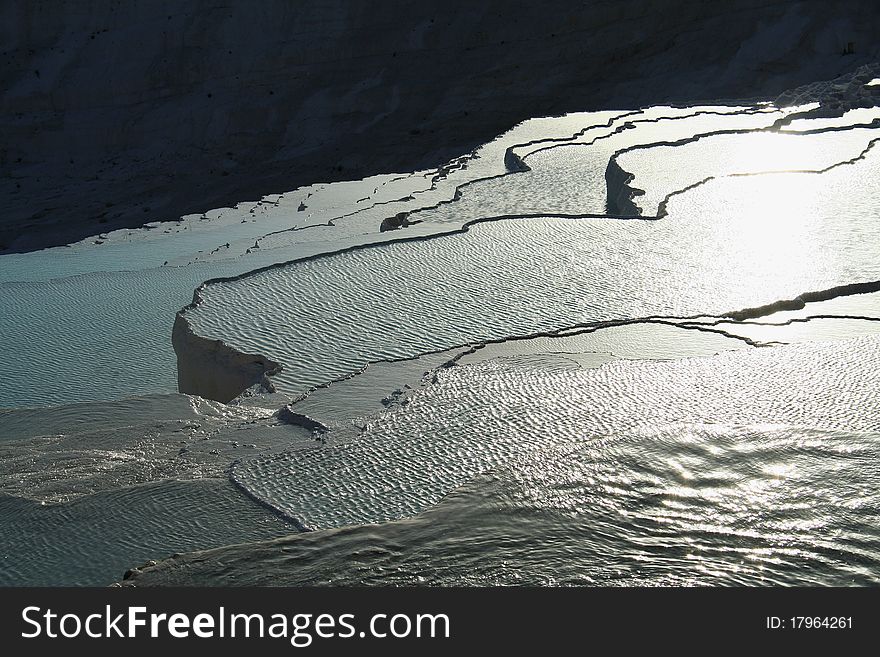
(732, 243)
(749, 468)
(630, 455)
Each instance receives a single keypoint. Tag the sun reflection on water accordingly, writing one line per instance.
(771, 226)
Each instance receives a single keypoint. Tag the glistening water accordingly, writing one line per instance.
(732, 243)
(515, 386)
(678, 506)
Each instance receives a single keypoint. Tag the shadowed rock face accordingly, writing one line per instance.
(117, 114)
(620, 194)
(214, 370)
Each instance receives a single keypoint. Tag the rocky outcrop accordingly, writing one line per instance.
(618, 192)
(288, 416)
(399, 220)
(116, 114)
(800, 301)
(214, 370)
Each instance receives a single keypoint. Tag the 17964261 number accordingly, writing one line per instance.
(810, 623)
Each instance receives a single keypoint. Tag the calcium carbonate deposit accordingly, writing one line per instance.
(631, 346)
